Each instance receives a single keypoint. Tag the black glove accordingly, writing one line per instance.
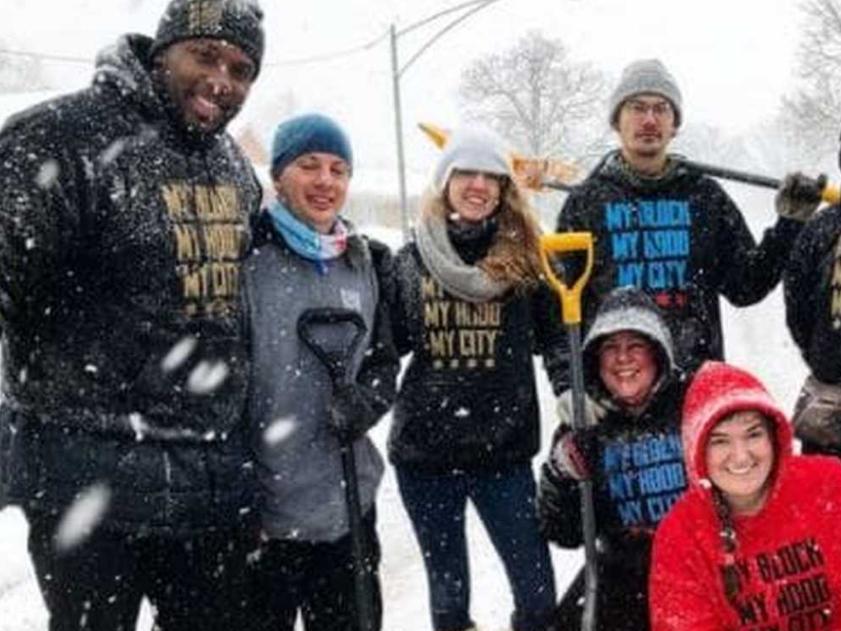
(558, 508)
(799, 196)
(350, 413)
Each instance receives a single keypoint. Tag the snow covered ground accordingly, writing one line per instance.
(756, 338)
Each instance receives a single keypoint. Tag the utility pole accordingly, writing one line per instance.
(470, 7)
(398, 127)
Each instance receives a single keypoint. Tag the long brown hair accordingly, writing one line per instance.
(513, 256)
(730, 543)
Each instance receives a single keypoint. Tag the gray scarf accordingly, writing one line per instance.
(468, 282)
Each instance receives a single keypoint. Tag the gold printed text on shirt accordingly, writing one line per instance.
(209, 234)
(459, 334)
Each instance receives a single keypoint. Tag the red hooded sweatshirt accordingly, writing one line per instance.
(787, 556)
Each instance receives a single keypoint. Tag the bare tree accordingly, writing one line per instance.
(539, 98)
(706, 143)
(811, 117)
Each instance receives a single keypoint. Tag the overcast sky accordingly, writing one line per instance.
(733, 58)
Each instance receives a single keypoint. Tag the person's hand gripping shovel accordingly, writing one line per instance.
(555, 248)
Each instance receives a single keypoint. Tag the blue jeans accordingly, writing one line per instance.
(505, 502)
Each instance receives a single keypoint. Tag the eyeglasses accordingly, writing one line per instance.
(641, 109)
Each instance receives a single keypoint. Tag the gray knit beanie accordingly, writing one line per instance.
(646, 76)
(235, 21)
(472, 149)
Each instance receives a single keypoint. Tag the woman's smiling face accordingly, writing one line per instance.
(740, 459)
(628, 368)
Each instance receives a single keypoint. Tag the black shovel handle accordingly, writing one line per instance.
(336, 360)
(830, 193)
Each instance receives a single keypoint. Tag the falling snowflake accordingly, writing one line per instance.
(207, 376)
(461, 413)
(179, 353)
(79, 521)
(279, 431)
(138, 425)
(47, 174)
(113, 151)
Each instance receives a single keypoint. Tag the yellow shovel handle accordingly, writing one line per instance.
(831, 194)
(564, 242)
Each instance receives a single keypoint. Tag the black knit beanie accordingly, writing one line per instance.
(235, 21)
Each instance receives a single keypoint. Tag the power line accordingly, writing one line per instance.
(300, 61)
(45, 56)
(347, 52)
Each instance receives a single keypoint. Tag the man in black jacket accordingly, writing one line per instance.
(123, 223)
(812, 282)
(662, 226)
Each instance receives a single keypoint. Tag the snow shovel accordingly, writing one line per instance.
(831, 194)
(570, 296)
(338, 361)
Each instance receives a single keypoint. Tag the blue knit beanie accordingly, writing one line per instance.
(308, 133)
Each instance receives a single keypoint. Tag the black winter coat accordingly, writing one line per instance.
(683, 241)
(812, 282)
(121, 240)
(637, 469)
(468, 399)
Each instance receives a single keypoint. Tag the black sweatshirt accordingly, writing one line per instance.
(683, 241)
(121, 243)
(812, 284)
(468, 399)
